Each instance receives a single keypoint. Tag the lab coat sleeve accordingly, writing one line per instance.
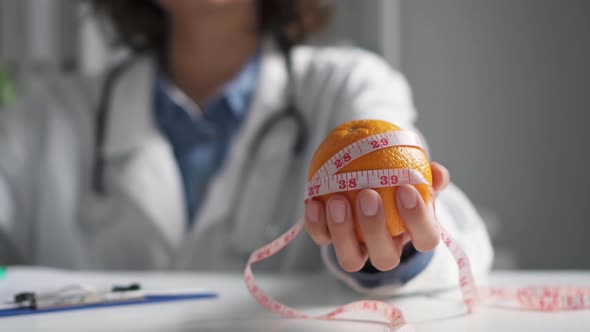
(19, 132)
(6, 220)
(372, 90)
(6, 199)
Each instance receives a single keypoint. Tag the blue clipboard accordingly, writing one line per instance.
(148, 299)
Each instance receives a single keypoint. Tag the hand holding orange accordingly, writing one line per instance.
(392, 157)
(373, 223)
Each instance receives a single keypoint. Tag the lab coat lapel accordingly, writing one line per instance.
(218, 209)
(139, 160)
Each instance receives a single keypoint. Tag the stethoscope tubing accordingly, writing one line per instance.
(103, 112)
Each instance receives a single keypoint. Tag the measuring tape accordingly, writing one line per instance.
(327, 181)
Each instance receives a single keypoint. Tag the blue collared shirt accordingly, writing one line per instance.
(201, 136)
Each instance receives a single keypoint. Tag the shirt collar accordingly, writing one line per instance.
(237, 92)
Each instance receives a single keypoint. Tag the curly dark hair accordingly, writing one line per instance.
(143, 26)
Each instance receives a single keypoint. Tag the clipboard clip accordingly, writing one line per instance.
(76, 295)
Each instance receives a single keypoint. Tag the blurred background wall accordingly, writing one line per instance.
(502, 87)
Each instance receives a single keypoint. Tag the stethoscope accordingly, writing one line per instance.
(290, 112)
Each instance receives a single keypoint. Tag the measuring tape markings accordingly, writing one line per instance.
(382, 178)
(326, 181)
(543, 298)
(393, 315)
(365, 146)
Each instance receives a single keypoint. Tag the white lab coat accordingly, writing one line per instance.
(49, 214)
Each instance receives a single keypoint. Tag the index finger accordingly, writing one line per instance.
(440, 176)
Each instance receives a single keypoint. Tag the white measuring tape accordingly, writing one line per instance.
(327, 180)
(381, 178)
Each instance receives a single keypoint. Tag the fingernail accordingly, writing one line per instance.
(313, 211)
(369, 202)
(407, 197)
(337, 210)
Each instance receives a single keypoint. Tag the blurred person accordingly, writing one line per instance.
(194, 152)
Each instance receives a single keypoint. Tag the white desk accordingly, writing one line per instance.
(235, 310)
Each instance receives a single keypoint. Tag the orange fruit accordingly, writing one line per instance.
(392, 157)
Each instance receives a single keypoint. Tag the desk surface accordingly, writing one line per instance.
(235, 310)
